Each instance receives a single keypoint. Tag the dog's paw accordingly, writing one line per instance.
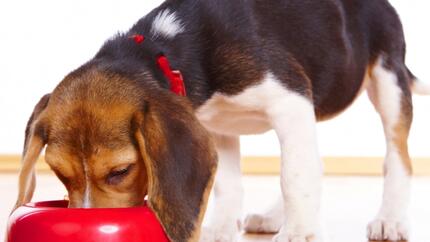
(303, 235)
(384, 229)
(296, 238)
(224, 234)
(256, 223)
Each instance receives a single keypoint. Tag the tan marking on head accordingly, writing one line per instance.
(90, 138)
(88, 180)
(92, 130)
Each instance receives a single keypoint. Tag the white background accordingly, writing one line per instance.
(41, 41)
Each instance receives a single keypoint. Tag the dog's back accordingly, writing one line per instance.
(225, 46)
(335, 42)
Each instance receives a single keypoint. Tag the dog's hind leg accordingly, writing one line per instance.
(390, 93)
(228, 192)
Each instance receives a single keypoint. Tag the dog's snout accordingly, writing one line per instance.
(80, 199)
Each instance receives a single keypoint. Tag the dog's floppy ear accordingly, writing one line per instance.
(180, 161)
(35, 140)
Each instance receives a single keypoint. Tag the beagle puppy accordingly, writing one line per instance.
(159, 107)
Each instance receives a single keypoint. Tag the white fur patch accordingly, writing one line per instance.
(390, 223)
(86, 203)
(388, 95)
(243, 113)
(167, 24)
(271, 105)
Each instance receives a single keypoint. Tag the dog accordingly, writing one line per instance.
(159, 110)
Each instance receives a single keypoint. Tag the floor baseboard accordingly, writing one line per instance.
(347, 166)
(267, 165)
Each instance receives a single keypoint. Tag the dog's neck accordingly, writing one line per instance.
(182, 53)
(213, 54)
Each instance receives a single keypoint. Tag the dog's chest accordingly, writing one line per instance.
(233, 115)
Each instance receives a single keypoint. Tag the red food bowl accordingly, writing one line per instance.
(52, 221)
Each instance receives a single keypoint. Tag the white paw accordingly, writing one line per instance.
(256, 223)
(383, 229)
(224, 234)
(307, 235)
(296, 238)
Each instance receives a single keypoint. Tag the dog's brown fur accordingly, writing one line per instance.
(115, 114)
(97, 122)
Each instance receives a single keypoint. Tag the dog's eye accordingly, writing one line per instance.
(115, 176)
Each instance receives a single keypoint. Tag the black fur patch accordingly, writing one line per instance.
(229, 45)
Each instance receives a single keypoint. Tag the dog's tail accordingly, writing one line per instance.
(417, 86)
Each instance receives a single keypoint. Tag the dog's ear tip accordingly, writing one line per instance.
(44, 100)
(46, 96)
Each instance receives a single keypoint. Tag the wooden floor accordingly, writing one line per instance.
(347, 206)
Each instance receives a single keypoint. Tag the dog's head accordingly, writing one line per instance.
(112, 141)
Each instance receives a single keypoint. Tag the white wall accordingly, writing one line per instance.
(41, 41)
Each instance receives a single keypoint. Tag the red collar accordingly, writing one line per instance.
(175, 78)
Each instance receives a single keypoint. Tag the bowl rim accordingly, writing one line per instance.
(62, 205)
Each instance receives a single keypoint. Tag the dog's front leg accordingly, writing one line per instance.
(228, 192)
(293, 119)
